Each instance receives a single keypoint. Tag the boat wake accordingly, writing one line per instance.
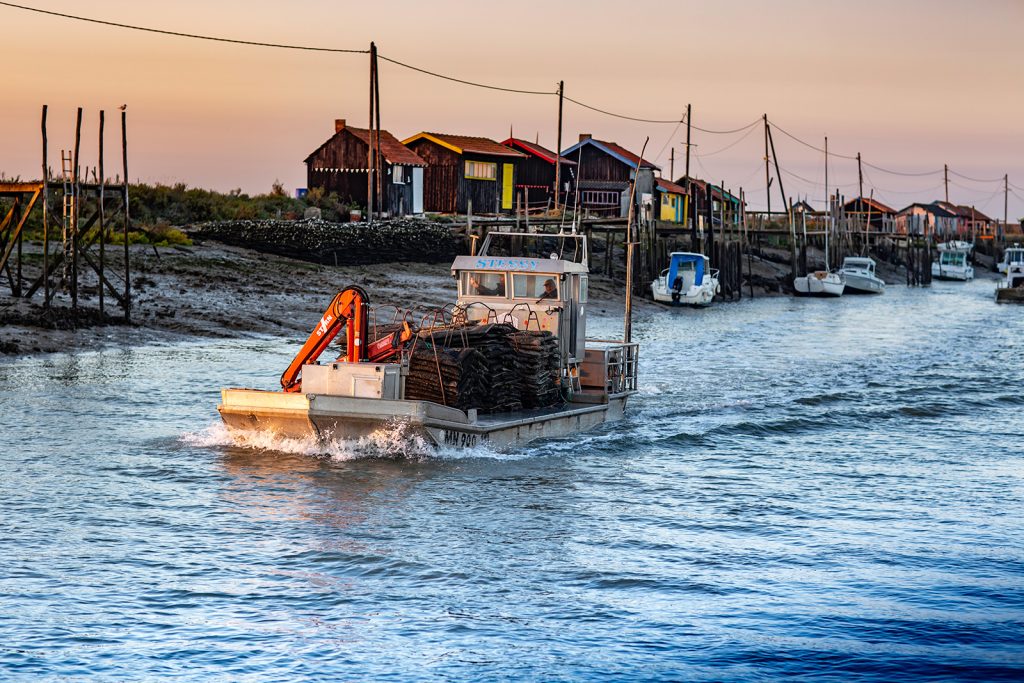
(392, 441)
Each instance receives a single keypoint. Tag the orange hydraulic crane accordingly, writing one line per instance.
(348, 310)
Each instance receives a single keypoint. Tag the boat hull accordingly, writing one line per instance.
(863, 284)
(694, 296)
(328, 418)
(955, 273)
(810, 285)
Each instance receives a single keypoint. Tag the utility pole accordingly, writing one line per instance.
(689, 186)
(945, 180)
(687, 143)
(672, 165)
(767, 173)
(370, 155)
(558, 148)
(860, 178)
(789, 209)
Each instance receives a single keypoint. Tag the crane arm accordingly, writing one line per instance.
(348, 309)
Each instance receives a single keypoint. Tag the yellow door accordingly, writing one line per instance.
(506, 186)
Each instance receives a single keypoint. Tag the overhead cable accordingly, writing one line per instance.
(217, 39)
(730, 145)
(622, 116)
(465, 82)
(976, 180)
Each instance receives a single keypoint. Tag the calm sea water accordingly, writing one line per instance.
(826, 489)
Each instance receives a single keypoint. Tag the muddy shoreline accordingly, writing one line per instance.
(218, 291)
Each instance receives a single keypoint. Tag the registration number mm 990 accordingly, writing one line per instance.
(451, 437)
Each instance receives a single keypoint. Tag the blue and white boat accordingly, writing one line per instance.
(688, 281)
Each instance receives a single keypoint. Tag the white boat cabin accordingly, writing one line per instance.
(534, 281)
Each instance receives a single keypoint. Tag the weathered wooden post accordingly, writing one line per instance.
(103, 227)
(46, 217)
(127, 264)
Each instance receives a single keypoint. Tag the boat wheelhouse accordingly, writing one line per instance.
(859, 274)
(1012, 256)
(689, 280)
(953, 263)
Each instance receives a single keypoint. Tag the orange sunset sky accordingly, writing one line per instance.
(910, 84)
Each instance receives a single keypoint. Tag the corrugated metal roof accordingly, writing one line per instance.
(931, 208)
(615, 150)
(873, 203)
(536, 150)
(669, 186)
(393, 151)
(467, 143)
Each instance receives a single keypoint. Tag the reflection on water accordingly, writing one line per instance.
(826, 488)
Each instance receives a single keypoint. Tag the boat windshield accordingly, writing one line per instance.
(534, 286)
(954, 258)
(1014, 256)
(483, 283)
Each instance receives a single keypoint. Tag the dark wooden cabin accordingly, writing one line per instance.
(340, 165)
(865, 209)
(535, 180)
(463, 170)
(724, 206)
(602, 174)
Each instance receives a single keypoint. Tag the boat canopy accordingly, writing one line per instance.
(858, 262)
(686, 261)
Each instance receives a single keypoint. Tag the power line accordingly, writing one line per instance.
(727, 132)
(976, 180)
(902, 173)
(623, 116)
(464, 82)
(731, 144)
(807, 144)
(183, 35)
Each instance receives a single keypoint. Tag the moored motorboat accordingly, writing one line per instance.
(952, 263)
(1012, 255)
(508, 363)
(859, 275)
(819, 283)
(688, 281)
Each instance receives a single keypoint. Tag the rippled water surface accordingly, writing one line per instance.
(828, 489)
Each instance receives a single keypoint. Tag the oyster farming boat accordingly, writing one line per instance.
(509, 362)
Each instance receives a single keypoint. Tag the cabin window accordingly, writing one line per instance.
(534, 286)
(483, 283)
(398, 175)
(584, 282)
(481, 170)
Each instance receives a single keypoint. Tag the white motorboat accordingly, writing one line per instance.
(688, 281)
(1013, 255)
(1011, 288)
(952, 263)
(859, 274)
(819, 283)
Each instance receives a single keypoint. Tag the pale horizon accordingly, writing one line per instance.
(911, 88)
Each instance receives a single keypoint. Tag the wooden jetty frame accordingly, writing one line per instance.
(78, 198)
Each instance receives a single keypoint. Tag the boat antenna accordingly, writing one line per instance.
(628, 331)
